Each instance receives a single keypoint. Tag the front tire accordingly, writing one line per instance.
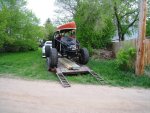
(53, 58)
(47, 50)
(84, 56)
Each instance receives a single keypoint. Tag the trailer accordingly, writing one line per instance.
(67, 56)
(67, 67)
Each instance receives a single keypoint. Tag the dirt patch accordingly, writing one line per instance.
(103, 54)
(22, 96)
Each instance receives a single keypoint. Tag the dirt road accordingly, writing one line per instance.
(24, 96)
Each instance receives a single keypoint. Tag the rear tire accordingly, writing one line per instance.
(53, 58)
(84, 56)
(47, 51)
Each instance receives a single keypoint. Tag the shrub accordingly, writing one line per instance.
(21, 46)
(148, 28)
(126, 59)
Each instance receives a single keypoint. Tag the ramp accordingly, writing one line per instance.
(63, 80)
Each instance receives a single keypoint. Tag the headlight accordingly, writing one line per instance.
(72, 47)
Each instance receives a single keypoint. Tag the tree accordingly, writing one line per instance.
(49, 28)
(3, 22)
(126, 15)
(19, 26)
(95, 27)
(66, 10)
(148, 19)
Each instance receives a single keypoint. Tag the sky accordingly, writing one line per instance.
(43, 9)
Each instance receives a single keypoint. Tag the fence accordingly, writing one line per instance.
(147, 51)
(132, 43)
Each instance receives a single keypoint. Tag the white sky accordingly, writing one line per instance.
(43, 9)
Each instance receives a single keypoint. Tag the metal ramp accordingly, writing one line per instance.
(63, 80)
(98, 78)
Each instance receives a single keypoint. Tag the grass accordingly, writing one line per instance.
(107, 69)
(27, 64)
(31, 65)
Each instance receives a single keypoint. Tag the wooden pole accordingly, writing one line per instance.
(140, 45)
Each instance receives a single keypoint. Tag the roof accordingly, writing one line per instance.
(67, 26)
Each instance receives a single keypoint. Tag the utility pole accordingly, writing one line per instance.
(141, 37)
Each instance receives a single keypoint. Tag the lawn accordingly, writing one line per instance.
(26, 64)
(31, 65)
(107, 69)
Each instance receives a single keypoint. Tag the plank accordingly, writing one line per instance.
(69, 64)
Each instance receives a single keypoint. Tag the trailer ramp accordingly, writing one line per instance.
(63, 80)
(97, 77)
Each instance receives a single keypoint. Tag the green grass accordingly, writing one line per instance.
(26, 64)
(107, 69)
(31, 65)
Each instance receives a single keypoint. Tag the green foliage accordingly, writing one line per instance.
(21, 45)
(126, 59)
(126, 16)
(3, 24)
(99, 19)
(17, 24)
(49, 29)
(148, 28)
(95, 27)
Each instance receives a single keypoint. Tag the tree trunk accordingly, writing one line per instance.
(122, 37)
(119, 28)
(142, 31)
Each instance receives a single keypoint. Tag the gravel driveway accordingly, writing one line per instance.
(26, 96)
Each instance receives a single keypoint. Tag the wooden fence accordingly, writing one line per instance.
(132, 43)
(147, 51)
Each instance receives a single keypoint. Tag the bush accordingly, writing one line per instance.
(126, 59)
(21, 46)
(148, 28)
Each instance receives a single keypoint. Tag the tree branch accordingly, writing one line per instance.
(118, 22)
(129, 13)
(131, 24)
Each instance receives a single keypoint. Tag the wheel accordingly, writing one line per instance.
(84, 56)
(53, 58)
(47, 50)
(53, 43)
(47, 64)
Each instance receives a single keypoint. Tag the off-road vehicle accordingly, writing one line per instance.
(65, 44)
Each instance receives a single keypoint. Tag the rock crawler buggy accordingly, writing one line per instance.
(65, 44)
